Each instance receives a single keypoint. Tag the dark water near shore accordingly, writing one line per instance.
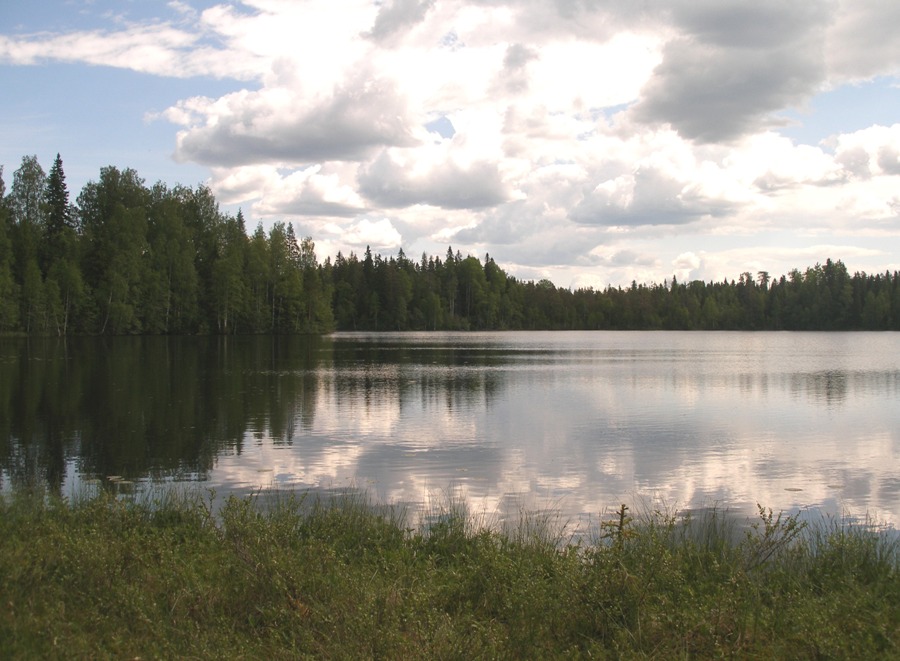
(575, 422)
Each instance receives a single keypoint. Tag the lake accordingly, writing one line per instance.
(572, 422)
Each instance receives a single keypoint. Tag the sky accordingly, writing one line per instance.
(590, 142)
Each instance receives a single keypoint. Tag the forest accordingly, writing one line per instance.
(126, 258)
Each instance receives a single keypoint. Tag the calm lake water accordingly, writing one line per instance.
(573, 422)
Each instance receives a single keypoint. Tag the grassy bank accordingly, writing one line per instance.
(106, 578)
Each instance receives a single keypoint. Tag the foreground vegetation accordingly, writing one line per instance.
(107, 578)
(131, 259)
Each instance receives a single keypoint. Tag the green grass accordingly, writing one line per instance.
(294, 577)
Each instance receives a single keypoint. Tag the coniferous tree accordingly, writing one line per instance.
(56, 241)
(368, 300)
(9, 309)
(449, 285)
(345, 278)
(64, 285)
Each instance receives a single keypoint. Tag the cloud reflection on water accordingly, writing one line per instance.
(578, 422)
(610, 427)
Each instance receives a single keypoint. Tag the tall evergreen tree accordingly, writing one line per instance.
(64, 286)
(58, 222)
(9, 309)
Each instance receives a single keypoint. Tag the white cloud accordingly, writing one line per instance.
(729, 66)
(564, 75)
(234, 185)
(397, 15)
(157, 48)
(282, 126)
(392, 181)
(313, 191)
(771, 162)
(861, 40)
(871, 152)
(685, 264)
(181, 8)
(380, 235)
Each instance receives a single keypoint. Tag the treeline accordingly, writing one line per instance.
(128, 259)
(463, 293)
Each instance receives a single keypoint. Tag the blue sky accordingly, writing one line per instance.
(850, 107)
(586, 143)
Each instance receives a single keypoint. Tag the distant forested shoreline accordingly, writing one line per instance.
(126, 258)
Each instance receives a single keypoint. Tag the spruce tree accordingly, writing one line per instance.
(9, 311)
(58, 217)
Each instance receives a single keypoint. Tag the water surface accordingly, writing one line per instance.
(577, 422)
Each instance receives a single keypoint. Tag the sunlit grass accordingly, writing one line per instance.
(294, 575)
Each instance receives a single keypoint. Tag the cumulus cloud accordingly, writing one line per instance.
(686, 260)
(731, 65)
(284, 126)
(504, 226)
(889, 159)
(514, 77)
(619, 265)
(234, 185)
(318, 191)
(870, 152)
(617, 256)
(397, 15)
(862, 40)
(774, 163)
(647, 196)
(380, 235)
(392, 183)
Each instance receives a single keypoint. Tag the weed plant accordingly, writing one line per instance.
(296, 576)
